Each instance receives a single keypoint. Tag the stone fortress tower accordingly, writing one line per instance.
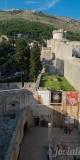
(61, 57)
(59, 34)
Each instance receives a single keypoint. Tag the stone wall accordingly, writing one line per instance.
(63, 50)
(46, 48)
(72, 71)
(56, 113)
(70, 111)
(74, 43)
(16, 99)
(47, 54)
(49, 43)
(15, 144)
(17, 85)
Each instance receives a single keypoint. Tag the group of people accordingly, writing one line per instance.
(66, 129)
(63, 147)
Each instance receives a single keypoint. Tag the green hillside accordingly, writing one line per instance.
(55, 21)
(36, 25)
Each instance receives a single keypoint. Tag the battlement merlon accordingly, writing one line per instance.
(58, 31)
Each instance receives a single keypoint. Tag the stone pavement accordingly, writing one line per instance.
(72, 141)
(34, 146)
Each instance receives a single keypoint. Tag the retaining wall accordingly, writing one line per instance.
(8, 86)
(72, 72)
(15, 144)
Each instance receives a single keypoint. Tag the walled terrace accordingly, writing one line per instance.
(56, 83)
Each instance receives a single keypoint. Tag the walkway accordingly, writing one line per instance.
(72, 141)
(34, 146)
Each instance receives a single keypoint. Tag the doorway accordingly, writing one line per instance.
(44, 123)
(36, 121)
(25, 127)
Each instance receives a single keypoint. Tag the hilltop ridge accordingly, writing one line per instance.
(67, 23)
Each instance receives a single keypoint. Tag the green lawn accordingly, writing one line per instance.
(57, 83)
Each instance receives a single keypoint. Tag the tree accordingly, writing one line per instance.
(35, 63)
(22, 55)
(11, 42)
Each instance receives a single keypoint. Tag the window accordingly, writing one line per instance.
(13, 105)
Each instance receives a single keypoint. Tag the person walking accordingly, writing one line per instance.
(69, 130)
(71, 127)
(66, 130)
(61, 127)
(58, 147)
(66, 150)
(63, 146)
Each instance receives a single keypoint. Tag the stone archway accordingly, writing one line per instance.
(36, 120)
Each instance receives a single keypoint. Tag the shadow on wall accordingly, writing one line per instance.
(76, 53)
(59, 67)
(57, 113)
(56, 117)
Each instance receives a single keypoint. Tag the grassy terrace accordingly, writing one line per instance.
(57, 83)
